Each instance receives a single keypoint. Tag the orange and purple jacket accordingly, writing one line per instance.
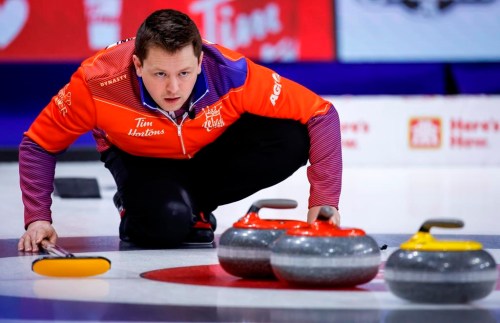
(105, 96)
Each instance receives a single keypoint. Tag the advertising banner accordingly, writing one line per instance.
(418, 30)
(55, 30)
(420, 130)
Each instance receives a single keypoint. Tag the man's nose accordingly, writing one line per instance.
(172, 85)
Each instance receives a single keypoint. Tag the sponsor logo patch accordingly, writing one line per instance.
(213, 118)
(63, 100)
(113, 80)
(425, 132)
(144, 128)
(276, 89)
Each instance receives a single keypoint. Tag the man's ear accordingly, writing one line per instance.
(137, 65)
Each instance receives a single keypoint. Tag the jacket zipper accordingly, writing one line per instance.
(179, 133)
(179, 130)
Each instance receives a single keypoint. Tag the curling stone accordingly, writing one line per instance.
(243, 249)
(324, 254)
(428, 270)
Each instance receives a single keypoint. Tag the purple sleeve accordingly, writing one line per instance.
(36, 172)
(325, 156)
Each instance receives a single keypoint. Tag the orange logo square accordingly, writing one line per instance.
(425, 132)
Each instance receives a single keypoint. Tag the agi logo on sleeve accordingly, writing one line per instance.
(276, 89)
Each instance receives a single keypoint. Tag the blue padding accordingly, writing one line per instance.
(29, 87)
(366, 79)
(26, 88)
(13, 128)
(477, 78)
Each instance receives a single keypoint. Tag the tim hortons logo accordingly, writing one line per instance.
(114, 80)
(425, 132)
(63, 100)
(276, 89)
(143, 128)
(213, 118)
(225, 25)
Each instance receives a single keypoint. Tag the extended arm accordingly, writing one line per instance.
(36, 172)
(325, 156)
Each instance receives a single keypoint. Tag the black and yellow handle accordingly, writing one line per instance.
(441, 223)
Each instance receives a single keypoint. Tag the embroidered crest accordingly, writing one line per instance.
(63, 100)
(213, 118)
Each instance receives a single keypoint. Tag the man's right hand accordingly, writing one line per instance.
(35, 233)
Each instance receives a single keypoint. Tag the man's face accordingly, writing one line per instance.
(169, 77)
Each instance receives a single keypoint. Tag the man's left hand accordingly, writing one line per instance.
(312, 215)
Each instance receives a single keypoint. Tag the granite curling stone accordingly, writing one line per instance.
(243, 249)
(428, 270)
(324, 254)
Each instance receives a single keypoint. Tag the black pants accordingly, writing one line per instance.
(161, 195)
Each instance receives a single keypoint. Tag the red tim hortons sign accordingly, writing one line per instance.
(58, 30)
